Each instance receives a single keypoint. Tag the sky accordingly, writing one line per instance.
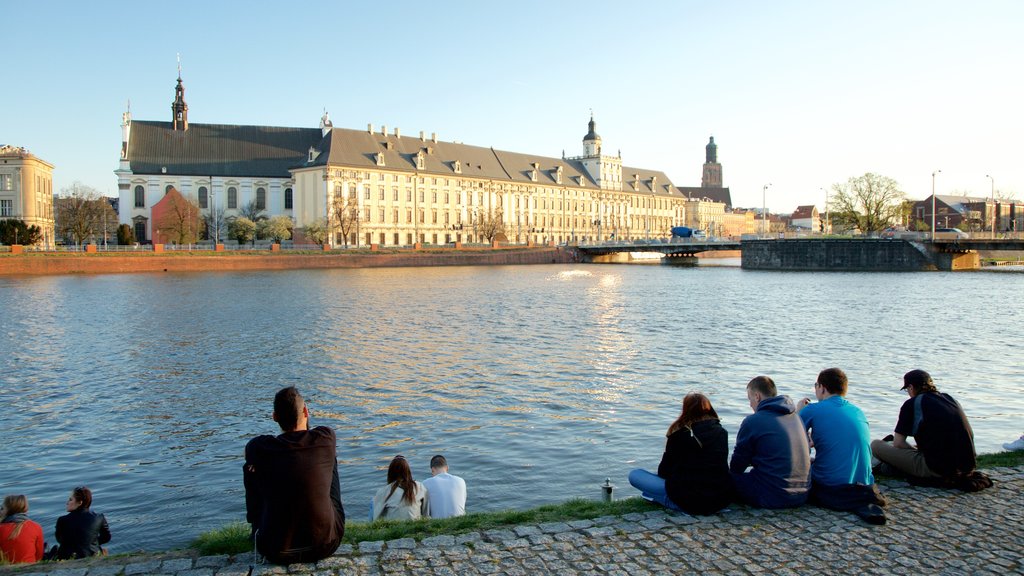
(798, 95)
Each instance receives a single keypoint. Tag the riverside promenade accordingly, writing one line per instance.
(929, 531)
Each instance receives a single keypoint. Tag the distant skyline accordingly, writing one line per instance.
(802, 95)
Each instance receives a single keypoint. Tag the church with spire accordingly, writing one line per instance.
(403, 189)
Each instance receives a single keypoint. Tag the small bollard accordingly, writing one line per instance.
(606, 490)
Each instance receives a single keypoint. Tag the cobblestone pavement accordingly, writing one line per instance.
(930, 531)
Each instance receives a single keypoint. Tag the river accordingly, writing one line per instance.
(537, 382)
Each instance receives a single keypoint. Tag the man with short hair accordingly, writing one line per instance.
(292, 491)
(841, 477)
(773, 442)
(446, 494)
(945, 441)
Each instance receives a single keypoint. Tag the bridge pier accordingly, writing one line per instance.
(954, 261)
(681, 260)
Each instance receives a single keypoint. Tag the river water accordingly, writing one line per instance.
(537, 382)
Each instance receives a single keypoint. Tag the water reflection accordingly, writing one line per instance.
(147, 387)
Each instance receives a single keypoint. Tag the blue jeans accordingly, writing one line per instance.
(652, 487)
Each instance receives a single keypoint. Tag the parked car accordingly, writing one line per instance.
(950, 234)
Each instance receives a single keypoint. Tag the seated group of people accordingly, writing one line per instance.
(771, 465)
(293, 496)
(80, 533)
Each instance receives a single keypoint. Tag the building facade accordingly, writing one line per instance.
(26, 190)
(401, 189)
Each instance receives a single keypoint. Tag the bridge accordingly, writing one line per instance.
(815, 253)
(679, 250)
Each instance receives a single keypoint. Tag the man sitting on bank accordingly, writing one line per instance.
(446, 494)
(945, 442)
(773, 441)
(292, 492)
(841, 477)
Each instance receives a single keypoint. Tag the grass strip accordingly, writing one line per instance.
(234, 538)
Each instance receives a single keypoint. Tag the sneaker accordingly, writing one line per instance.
(1017, 444)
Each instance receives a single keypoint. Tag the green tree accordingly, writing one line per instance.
(125, 235)
(14, 231)
(316, 232)
(277, 228)
(871, 201)
(243, 230)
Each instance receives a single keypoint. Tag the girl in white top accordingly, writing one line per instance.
(403, 498)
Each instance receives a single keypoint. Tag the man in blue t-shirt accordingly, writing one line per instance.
(841, 476)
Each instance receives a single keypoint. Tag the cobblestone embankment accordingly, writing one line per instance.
(929, 531)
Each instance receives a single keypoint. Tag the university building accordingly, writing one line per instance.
(404, 189)
(26, 190)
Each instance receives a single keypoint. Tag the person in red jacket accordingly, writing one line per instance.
(21, 539)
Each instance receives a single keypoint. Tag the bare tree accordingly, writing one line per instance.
(345, 215)
(489, 224)
(871, 201)
(252, 211)
(181, 219)
(82, 212)
(215, 225)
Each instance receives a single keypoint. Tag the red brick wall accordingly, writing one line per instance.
(207, 261)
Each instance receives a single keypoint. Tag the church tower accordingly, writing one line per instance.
(179, 109)
(605, 170)
(712, 177)
(591, 142)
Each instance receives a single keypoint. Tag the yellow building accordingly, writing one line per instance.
(401, 189)
(706, 215)
(26, 190)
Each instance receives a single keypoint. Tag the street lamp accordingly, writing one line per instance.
(993, 180)
(933, 203)
(764, 209)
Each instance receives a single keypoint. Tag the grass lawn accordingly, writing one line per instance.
(234, 538)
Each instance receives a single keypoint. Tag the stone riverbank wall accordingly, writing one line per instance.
(846, 254)
(112, 263)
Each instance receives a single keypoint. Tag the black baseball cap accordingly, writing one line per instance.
(917, 379)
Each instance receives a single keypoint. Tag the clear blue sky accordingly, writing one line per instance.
(798, 94)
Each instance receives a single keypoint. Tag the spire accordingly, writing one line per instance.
(592, 129)
(711, 151)
(179, 109)
(592, 142)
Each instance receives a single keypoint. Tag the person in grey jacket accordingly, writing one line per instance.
(772, 442)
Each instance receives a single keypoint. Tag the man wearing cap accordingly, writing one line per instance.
(945, 441)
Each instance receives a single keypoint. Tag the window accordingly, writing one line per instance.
(395, 219)
(140, 198)
(203, 201)
(366, 193)
(6, 182)
(433, 197)
(261, 198)
(168, 188)
(382, 215)
(380, 192)
(394, 196)
(6, 207)
(232, 198)
(140, 231)
(287, 198)
(408, 195)
(408, 216)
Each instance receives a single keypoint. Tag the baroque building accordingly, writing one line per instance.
(26, 190)
(401, 189)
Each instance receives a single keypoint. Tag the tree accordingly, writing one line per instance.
(125, 235)
(180, 220)
(82, 213)
(871, 201)
(345, 212)
(277, 228)
(316, 232)
(14, 231)
(243, 230)
(489, 224)
(253, 212)
(215, 225)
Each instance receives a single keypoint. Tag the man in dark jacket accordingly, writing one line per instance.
(773, 442)
(945, 441)
(292, 491)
